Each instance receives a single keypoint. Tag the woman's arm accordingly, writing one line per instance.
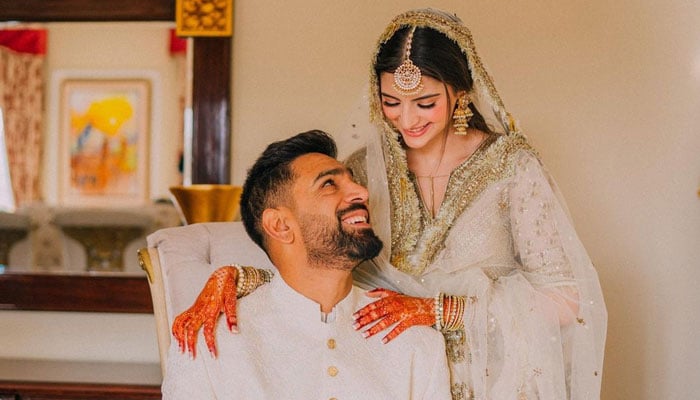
(540, 225)
(218, 296)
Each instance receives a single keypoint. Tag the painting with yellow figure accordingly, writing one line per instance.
(105, 141)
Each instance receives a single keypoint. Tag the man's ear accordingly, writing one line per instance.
(275, 222)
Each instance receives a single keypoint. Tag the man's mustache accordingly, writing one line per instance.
(352, 207)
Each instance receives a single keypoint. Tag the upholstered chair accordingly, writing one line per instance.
(178, 262)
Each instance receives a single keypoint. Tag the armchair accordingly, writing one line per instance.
(179, 260)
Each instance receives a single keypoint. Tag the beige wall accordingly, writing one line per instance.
(609, 92)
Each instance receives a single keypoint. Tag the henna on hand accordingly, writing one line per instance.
(217, 296)
(393, 308)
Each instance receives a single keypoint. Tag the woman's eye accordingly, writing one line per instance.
(390, 103)
(426, 106)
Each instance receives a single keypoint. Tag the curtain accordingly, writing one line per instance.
(22, 101)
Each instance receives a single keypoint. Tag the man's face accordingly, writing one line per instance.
(332, 212)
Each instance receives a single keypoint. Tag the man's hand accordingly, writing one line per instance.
(218, 295)
(391, 308)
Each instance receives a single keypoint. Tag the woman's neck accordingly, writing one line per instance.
(432, 165)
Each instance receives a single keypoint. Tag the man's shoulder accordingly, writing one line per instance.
(423, 336)
(256, 297)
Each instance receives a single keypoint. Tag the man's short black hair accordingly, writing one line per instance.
(269, 177)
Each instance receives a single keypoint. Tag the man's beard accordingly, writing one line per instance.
(330, 245)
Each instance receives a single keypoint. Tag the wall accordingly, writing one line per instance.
(78, 336)
(609, 93)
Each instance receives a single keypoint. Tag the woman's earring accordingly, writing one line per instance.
(462, 115)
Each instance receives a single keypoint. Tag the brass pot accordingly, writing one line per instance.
(207, 202)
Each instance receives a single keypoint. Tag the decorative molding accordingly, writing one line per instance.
(204, 17)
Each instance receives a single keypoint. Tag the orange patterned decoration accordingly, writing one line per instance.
(204, 17)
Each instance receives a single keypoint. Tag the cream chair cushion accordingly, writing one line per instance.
(184, 257)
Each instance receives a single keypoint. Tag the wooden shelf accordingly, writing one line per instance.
(84, 292)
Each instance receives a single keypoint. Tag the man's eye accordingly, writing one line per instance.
(329, 182)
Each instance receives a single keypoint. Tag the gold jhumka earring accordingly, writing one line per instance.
(407, 77)
(462, 115)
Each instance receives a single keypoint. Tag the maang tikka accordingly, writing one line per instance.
(407, 77)
(462, 115)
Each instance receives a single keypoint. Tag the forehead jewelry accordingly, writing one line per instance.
(407, 77)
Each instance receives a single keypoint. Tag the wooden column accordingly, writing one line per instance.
(211, 110)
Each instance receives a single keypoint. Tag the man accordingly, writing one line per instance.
(305, 210)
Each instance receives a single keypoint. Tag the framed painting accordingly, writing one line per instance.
(105, 129)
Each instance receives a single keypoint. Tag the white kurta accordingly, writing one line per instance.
(285, 351)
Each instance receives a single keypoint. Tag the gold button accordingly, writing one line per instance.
(331, 344)
(333, 398)
(332, 371)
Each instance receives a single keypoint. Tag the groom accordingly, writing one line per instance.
(303, 207)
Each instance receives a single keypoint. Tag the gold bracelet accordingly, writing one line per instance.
(455, 314)
(438, 305)
(251, 278)
(267, 275)
(239, 278)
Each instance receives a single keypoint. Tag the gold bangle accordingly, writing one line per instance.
(251, 278)
(455, 314)
(239, 278)
(438, 305)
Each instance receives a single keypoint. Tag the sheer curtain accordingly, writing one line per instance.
(21, 100)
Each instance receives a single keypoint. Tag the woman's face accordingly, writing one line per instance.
(420, 118)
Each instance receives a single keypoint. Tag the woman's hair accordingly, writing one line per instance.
(436, 55)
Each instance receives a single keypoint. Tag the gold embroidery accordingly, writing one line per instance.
(456, 346)
(416, 240)
(460, 391)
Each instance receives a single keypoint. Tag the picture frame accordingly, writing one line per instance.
(104, 125)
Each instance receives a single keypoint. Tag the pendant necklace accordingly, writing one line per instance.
(430, 208)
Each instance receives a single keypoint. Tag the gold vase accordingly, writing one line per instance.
(207, 202)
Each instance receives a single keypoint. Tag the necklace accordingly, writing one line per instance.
(430, 205)
(429, 201)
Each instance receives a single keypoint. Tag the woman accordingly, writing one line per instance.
(478, 242)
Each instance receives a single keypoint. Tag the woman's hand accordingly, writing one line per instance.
(391, 308)
(218, 295)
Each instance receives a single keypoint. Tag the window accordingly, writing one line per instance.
(7, 198)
